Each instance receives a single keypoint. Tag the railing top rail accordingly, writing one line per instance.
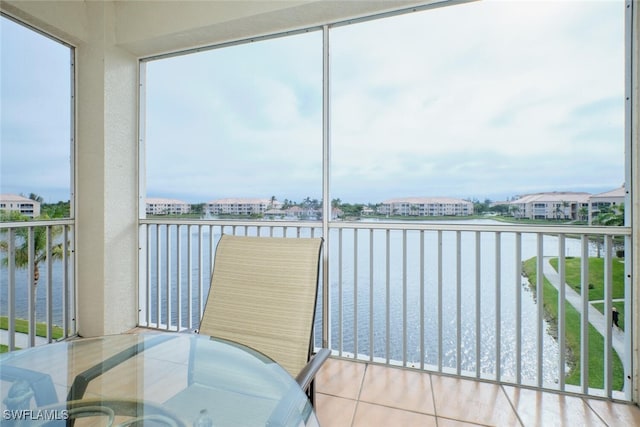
(232, 222)
(409, 225)
(509, 228)
(42, 223)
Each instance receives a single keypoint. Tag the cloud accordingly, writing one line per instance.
(482, 99)
(454, 97)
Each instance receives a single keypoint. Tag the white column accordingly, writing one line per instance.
(106, 179)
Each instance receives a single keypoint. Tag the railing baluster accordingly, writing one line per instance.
(168, 278)
(158, 274)
(439, 299)
(540, 306)
(478, 258)
(49, 286)
(212, 248)
(561, 310)
(178, 294)
(148, 278)
(388, 296)
(31, 298)
(608, 295)
(404, 298)
(458, 303)
(498, 293)
(422, 293)
(355, 294)
(69, 299)
(189, 279)
(584, 323)
(66, 288)
(340, 306)
(200, 266)
(371, 311)
(518, 304)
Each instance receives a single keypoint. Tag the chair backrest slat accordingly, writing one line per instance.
(263, 294)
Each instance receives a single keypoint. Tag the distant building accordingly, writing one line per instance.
(426, 206)
(241, 206)
(296, 212)
(554, 205)
(293, 212)
(275, 213)
(605, 200)
(302, 212)
(23, 205)
(159, 206)
(367, 211)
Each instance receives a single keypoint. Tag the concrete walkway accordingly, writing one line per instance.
(596, 318)
(22, 340)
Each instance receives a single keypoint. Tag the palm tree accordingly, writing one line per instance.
(611, 216)
(557, 211)
(583, 213)
(22, 237)
(35, 197)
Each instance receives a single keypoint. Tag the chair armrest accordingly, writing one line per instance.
(310, 370)
(39, 383)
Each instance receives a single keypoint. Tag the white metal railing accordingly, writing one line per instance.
(37, 283)
(183, 252)
(445, 297)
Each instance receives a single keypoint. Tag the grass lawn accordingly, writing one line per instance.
(596, 276)
(572, 335)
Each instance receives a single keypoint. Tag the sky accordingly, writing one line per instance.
(483, 100)
(35, 124)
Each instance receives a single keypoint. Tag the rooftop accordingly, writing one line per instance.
(14, 198)
(418, 200)
(556, 196)
(249, 200)
(160, 200)
(618, 192)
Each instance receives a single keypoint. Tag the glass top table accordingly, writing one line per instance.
(149, 379)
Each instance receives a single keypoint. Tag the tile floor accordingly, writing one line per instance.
(361, 394)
